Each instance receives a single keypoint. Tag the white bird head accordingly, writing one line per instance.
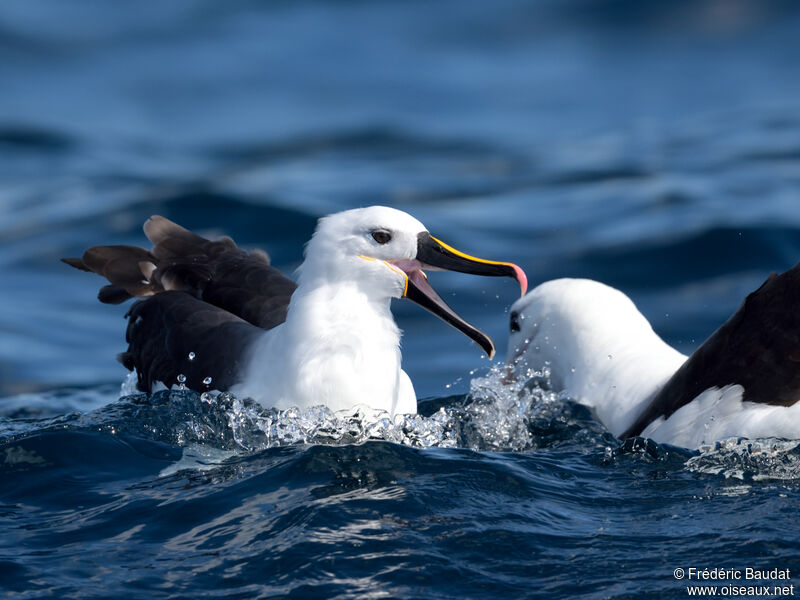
(383, 251)
(576, 320)
(357, 245)
(586, 332)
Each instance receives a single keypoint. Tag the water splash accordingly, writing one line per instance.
(254, 427)
(501, 410)
(749, 460)
(128, 386)
(499, 413)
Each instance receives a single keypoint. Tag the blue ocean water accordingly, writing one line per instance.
(654, 146)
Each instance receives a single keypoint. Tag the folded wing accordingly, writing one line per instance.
(205, 303)
(758, 348)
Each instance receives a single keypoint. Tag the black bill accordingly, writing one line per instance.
(434, 254)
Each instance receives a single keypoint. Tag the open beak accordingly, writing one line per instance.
(436, 255)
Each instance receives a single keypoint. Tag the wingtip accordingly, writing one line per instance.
(158, 228)
(113, 294)
(76, 263)
(153, 225)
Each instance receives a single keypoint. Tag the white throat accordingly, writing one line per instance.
(339, 347)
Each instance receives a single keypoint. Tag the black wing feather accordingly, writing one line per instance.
(174, 333)
(209, 298)
(757, 348)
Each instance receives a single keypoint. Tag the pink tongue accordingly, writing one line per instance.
(443, 311)
(418, 279)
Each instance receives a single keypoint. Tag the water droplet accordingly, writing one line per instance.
(192, 355)
(610, 357)
(181, 378)
(572, 370)
(207, 381)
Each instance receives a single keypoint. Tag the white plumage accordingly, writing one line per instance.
(603, 353)
(340, 345)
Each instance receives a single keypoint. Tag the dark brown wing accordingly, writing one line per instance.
(218, 272)
(121, 266)
(757, 348)
(209, 298)
(176, 338)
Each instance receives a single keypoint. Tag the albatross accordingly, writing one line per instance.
(212, 316)
(743, 381)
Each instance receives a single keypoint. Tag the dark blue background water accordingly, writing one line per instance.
(652, 145)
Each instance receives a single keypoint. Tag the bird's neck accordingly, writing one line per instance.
(338, 347)
(619, 381)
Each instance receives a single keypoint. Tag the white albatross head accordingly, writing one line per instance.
(383, 252)
(600, 350)
(566, 320)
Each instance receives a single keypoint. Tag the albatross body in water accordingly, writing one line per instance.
(214, 316)
(602, 352)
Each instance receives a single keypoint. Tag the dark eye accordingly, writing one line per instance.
(514, 322)
(381, 236)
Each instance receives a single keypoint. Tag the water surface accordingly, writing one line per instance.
(653, 146)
